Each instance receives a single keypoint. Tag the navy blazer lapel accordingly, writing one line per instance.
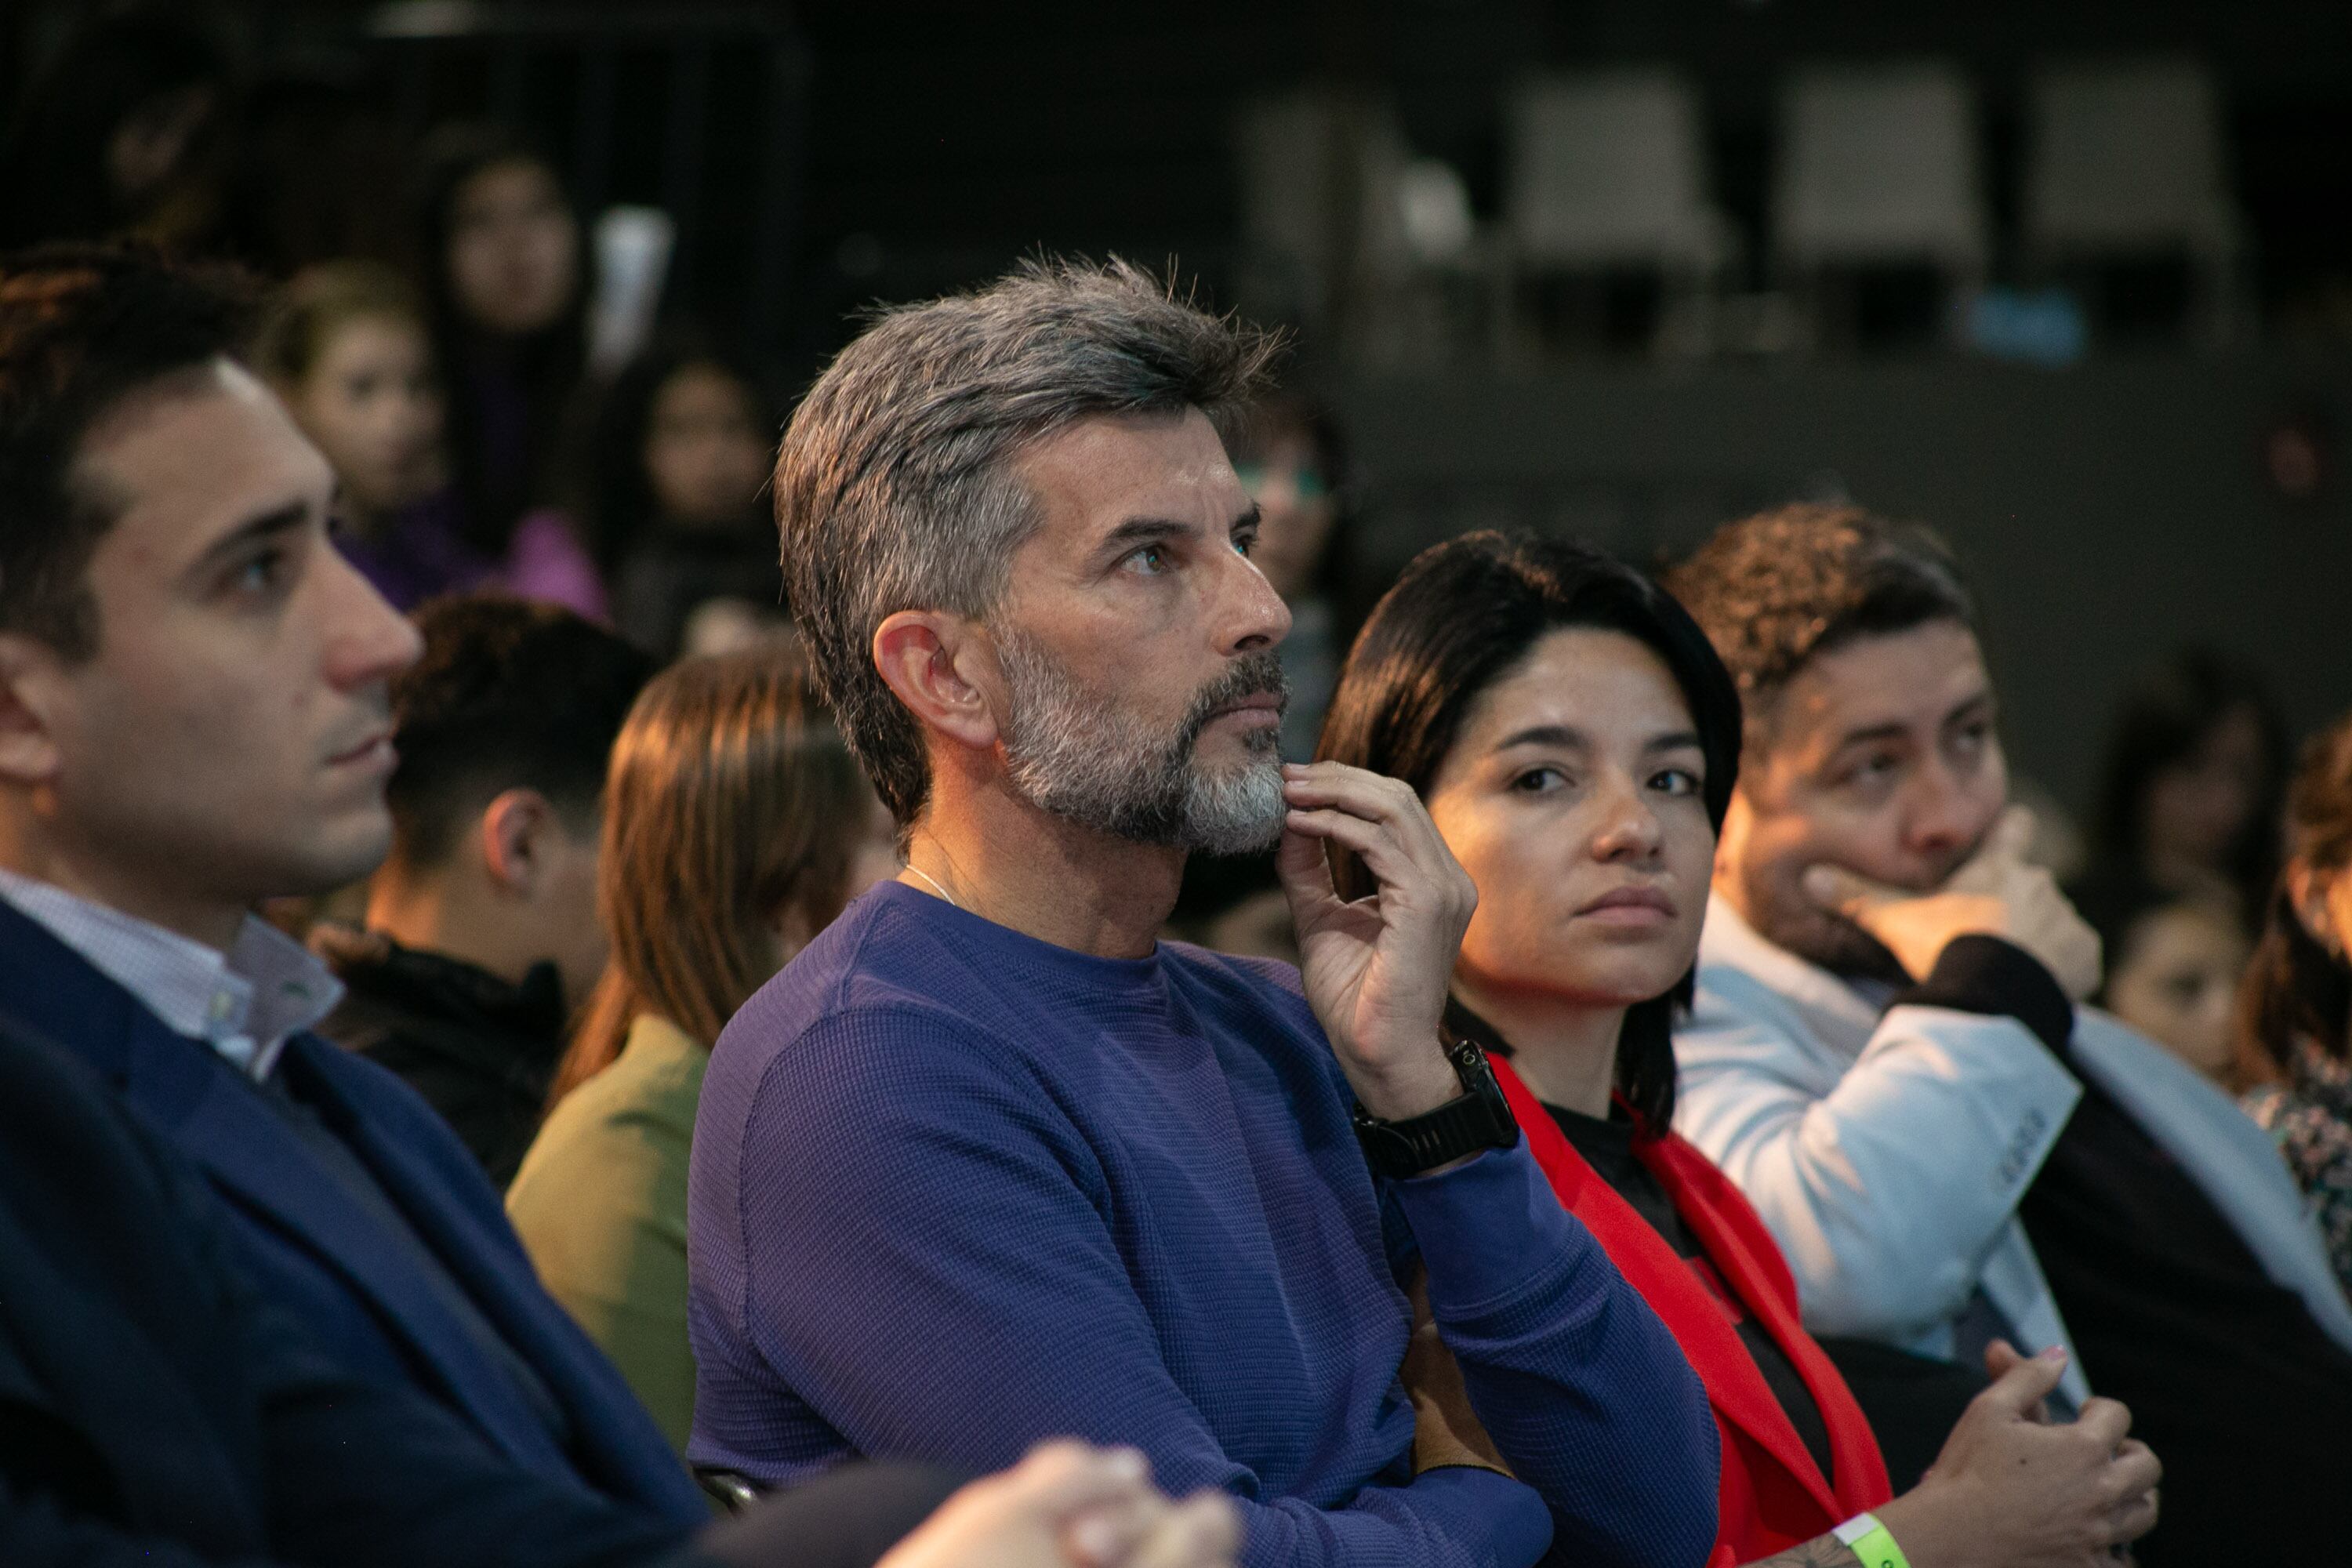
(187, 1093)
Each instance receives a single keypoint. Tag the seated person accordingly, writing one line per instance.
(2294, 1019)
(683, 442)
(736, 827)
(157, 1412)
(196, 716)
(1887, 1058)
(1576, 748)
(2173, 965)
(344, 345)
(481, 937)
(987, 1162)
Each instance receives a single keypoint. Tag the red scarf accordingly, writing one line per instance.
(1772, 1494)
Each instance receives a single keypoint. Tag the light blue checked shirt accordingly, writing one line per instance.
(244, 1002)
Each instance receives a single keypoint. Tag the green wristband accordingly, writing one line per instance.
(1871, 1541)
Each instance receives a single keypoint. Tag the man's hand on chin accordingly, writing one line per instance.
(1997, 893)
(1376, 970)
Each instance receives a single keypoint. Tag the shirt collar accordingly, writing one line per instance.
(244, 1003)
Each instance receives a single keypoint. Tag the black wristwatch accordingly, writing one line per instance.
(1480, 1119)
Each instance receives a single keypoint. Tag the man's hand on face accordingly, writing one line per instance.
(1996, 893)
(1377, 970)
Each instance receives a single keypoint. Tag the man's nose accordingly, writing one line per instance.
(1939, 818)
(367, 640)
(1252, 615)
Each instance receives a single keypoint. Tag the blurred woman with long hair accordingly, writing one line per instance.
(2294, 1010)
(736, 827)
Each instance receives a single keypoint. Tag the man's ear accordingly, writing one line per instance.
(30, 672)
(943, 672)
(515, 833)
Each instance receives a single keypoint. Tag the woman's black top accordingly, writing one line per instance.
(1608, 1147)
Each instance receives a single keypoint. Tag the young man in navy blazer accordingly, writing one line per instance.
(193, 717)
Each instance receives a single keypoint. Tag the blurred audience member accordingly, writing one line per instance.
(1886, 1055)
(736, 827)
(1292, 458)
(2294, 1014)
(345, 346)
(1577, 741)
(988, 1160)
(2173, 964)
(196, 692)
(684, 442)
(2189, 793)
(120, 136)
(505, 268)
(481, 937)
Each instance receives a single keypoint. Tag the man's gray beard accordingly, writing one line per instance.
(1084, 759)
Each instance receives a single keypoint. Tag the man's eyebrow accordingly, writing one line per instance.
(1140, 531)
(1893, 730)
(1250, 517)
(1969, 705)
(279, 519)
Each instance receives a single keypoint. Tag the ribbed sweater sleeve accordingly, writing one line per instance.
(1584, 1391)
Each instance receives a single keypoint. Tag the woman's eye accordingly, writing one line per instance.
(1676, 781)
(1538, 781)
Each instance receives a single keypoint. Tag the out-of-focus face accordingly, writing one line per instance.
(371, 404)
(1574, 795)
(2195, 810)
(1297, 511)
(705, 455)
(513, 249)
(1880, 757)
(2176, 981)
(1137, 640)
(230, 739)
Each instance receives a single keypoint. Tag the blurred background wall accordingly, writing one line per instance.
(2072, 283)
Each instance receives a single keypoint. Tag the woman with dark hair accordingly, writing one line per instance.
(736, 827)
(2188, 796)
(2294, 1011)
(505, 267)
(685, 439)
(1576, 739)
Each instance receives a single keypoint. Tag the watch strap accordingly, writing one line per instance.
(1480, 1119)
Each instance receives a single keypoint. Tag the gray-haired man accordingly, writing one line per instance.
(988, 1161)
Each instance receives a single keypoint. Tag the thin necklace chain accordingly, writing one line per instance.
(942, 893)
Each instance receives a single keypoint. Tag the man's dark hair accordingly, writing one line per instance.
(1774, 590)
(895, 490)
(509, 694)
(83, 329)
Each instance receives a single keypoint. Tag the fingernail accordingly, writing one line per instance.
(1129, 1464)
(2055, 1354)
